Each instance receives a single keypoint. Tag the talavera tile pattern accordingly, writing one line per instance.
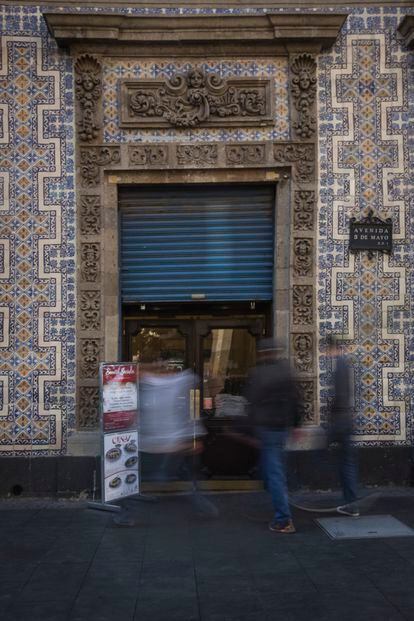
(37, 239)
(365, 112)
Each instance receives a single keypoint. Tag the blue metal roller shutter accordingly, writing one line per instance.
(178, 242)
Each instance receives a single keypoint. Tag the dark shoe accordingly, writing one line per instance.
(287, 528)
(348, 510)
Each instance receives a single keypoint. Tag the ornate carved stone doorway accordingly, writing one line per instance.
(151, 110)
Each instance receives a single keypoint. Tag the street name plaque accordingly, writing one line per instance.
(370, 233)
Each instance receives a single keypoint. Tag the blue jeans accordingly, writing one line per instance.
(348, 469)
(274, 470)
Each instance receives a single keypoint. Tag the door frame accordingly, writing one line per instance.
(293, 314)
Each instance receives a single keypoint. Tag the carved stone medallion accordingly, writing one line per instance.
(302, 350)
(302, 305)
(88, 89)
(88, 408)
(90, 261)
(301, 155)
(245, 154)
(89, 350)
(196, 99)
(91, 160)
(90, 310)
(303, 210)
(148, 155)
(302, 257)
(303, 84)
(197, 155)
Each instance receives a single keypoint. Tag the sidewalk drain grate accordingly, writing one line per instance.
(366, 527)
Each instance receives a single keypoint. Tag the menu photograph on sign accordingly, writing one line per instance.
(120, 465)
(120, 396)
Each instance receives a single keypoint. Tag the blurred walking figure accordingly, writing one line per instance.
(273, 409)
(166, 426)
(341, 424)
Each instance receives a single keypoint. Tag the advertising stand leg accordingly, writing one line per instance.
(118, 404)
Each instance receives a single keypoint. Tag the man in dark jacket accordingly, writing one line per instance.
(273, 409)
(341, 424)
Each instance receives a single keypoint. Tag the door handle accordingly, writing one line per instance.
(197, 403)
(192, 401)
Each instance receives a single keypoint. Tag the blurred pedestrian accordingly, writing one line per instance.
(341, 424)
(273, 408)
(167, 428)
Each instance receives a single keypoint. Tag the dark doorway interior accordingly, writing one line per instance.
(218, 342)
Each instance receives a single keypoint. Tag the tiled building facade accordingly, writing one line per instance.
(57, 315)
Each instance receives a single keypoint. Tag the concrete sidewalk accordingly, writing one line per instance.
(63, 562)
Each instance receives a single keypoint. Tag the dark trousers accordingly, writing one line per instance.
(348, 469)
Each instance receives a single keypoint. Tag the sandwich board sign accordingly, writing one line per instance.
(118, 391)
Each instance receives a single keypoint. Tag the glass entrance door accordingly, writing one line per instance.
(227, 353)
(221, 352)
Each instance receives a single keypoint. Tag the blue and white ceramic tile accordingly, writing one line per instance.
(366, 156)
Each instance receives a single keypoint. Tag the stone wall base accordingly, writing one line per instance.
(76, 476)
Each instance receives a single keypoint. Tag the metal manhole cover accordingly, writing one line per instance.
(365, 527)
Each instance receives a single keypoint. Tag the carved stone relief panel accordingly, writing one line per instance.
(302, 305)
(303, 210)
(302, 256)
(90, 261)
(88, 407)
(88, 90)
(303, 352)
(197, 155)
(302, 156)
(90, 215)
(90, 310)
(90, 352)
(196, 99)
(245, 154)
(303, 88)
(91, 161)
(307, 394)
(148, 155)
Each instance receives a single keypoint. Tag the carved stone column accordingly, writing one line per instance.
(91, 158)
(301, 155)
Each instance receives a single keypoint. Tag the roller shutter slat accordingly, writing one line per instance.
(215, 240)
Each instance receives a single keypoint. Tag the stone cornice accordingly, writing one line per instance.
(314, 31)
(406, 30)
(240, 4)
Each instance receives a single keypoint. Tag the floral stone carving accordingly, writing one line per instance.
(197, 155)
(301, 155)
(90, 310)
(88, 88)
(302, 304)
(303, 210)
(302, 348)
(90, 258)
(91, 160)
(148, 155)
(303, 85)
(88, 411)
(89, 349)
(302, 250)
(90, 215)
(307, 391)
(245, 154)
(194, 99)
